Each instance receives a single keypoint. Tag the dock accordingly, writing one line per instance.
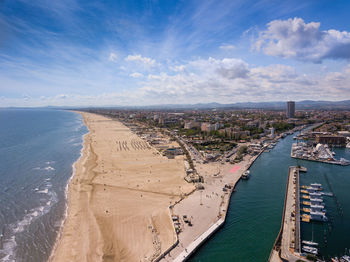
(287, 245)
(333, 162)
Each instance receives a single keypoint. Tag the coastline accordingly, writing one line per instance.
(223, 208)
(66, 190)
(92, 224)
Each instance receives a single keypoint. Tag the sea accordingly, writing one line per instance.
(37, 150)
(255, 210)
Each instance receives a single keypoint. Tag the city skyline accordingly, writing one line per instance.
(150, 52)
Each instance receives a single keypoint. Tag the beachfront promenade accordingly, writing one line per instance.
(206, 208)
(195, 244)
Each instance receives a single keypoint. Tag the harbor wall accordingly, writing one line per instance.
(277, 243)
(183, 256)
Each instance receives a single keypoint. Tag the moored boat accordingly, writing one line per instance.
(310, 250)
(245, 175)
(309, 243)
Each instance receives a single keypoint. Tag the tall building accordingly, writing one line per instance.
(290, 109)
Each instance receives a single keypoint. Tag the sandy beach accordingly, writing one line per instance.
(119, 197)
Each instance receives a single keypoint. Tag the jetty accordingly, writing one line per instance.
(206, 209)
(287, 245)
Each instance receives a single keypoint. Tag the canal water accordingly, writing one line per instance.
(255, 212)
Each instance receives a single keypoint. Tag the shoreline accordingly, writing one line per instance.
(223, 207)
(98, 197)
(66, 191)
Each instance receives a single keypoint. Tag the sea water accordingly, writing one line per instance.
(37, 150)
(255, 211)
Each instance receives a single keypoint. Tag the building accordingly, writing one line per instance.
(207, 127)
(290, 109)
(272, 132)
(331, 140)
(191, 124)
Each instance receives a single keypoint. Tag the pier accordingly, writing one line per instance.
(205, 224)
(287, 245)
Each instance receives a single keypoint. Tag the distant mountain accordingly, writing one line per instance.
(277, 105)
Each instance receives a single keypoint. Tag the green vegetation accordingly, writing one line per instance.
(282, 126)
(221, 146)
(241, 151)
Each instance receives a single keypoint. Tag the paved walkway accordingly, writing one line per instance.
(195, 244)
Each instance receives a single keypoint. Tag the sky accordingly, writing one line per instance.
(120, 53)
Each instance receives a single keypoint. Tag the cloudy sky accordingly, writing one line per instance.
(80, 53)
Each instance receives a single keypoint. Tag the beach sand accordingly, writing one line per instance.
(119, 197)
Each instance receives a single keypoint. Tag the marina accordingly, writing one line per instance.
(232, 239)
(320, 153)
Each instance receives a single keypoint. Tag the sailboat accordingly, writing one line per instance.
(310, 245)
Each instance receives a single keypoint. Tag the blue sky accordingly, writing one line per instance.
(82, 53)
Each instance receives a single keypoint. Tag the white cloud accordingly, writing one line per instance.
(293, 38)
(112, 57)
(136, 75)
(138, 58)
(266, 83)
(227, 47)
(179, 68)
(231, 80)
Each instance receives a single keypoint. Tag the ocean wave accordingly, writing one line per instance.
(44, 191)
(49, 168)
(7, 253)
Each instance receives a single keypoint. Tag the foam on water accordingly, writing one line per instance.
(9, 244)
(33, 191)
(49, 168)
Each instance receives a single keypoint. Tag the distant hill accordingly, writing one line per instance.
(277, 105)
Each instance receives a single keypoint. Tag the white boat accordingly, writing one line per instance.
(312, 189)
(309, 243)
(315, 194)
(316, 200)
(245, 175)
(316, 185)
(348, 145)
(345, 258)
(318, 216)
(310, 250)
(344, 162)
(317, 207)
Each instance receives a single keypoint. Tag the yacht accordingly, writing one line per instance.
(316, 201)
(316, 185)
(311, 250)
(315, 194)
(318, 216)
(344, 162)
(317, 207)
(345, 258)
(245, 175)
(309, 243)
